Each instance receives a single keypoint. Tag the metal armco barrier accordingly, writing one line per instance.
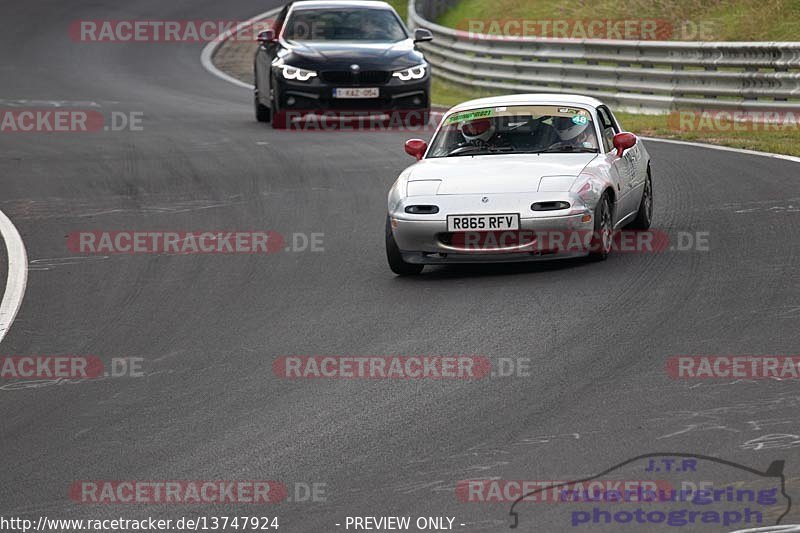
(635, 76)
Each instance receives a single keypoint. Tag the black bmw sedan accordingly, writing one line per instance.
(335, 56)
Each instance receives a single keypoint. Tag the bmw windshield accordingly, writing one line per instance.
(515, 129)
(362, 25)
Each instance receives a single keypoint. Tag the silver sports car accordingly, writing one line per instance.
(518, 178)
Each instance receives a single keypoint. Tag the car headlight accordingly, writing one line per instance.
(293, 73)
(413, 73)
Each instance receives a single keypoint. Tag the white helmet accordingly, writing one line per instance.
(481, 129)
(569, 128)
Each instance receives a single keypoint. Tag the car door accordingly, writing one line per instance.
(624, 167)
(639, 160)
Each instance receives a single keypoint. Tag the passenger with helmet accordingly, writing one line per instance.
(575, 131)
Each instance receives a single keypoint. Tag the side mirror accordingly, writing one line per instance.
(623, 141)
(266, 36)
(422, 35)
(417, 148)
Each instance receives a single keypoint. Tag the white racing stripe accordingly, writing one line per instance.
(207, 56)
(17, 274)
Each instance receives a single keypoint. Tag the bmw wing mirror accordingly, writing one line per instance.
(421, 35)
(266, 36)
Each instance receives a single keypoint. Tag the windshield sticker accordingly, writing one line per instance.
(572, 111)
(470, 115)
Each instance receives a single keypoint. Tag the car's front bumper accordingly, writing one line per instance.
(429, 242)
(306, 98)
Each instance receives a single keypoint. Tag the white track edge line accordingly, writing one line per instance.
(725, 149)
(17, 274)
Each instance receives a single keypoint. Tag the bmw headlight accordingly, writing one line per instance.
(413, 73)
(298, 74)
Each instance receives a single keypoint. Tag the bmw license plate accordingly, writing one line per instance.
(507, 222)
(357, 92)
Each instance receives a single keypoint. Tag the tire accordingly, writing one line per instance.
(396, 263)
(645, 215)
(278, 116)
(263, 113)
(602, 236)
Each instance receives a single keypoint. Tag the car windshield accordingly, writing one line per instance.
(337, 24)
(515, 130)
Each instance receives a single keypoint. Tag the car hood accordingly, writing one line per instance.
(340, 55)
(499, 173)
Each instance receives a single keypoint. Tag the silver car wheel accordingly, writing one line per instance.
(648, 198)
(606, 225)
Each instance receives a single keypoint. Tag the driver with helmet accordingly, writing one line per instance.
(482, 132)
